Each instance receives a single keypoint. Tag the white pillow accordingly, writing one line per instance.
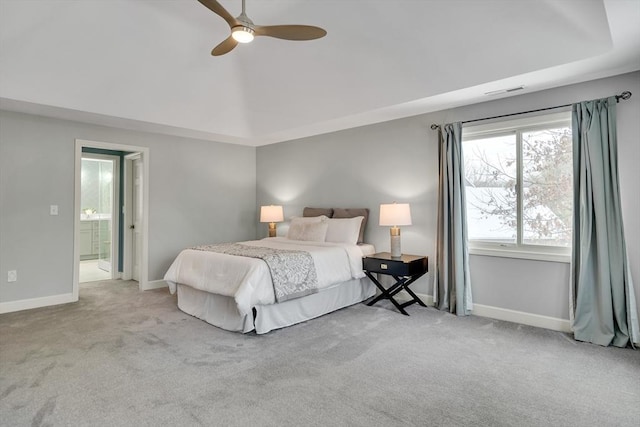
(343, 230)
(308, 231)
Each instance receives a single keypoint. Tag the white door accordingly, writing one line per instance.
(107, 212)
(136, 224)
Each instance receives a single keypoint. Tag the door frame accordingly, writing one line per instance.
(115, 217)
(144, 262)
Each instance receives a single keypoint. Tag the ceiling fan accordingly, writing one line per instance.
(243, 29)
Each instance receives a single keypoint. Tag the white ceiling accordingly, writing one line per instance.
(145, 64)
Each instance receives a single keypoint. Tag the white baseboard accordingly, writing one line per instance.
(553, 323)
(498, 313)
(537, 320)
(404, 296)
(27, 304)
(155, 284)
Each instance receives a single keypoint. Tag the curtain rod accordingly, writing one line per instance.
(624, 95)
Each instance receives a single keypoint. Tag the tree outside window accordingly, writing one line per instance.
(519, 186)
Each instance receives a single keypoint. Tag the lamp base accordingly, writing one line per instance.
(396, 252)
(272, 229)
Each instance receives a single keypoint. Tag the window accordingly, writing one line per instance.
(519, 187)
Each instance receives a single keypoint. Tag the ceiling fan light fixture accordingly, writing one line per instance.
(243, 29)
(242, 34)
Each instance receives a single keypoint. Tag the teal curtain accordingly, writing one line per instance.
(602, 295)
(452, 282)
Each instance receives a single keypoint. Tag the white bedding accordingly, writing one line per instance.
(248, 280)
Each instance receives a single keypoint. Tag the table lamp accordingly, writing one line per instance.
(271, 214)
(393, 215)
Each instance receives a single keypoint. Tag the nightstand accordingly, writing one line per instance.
(405, 270)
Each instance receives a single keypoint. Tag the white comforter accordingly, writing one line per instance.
(248, 280)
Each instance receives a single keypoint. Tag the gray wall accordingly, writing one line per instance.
(202, 191)
(199, 192)
(397, 160)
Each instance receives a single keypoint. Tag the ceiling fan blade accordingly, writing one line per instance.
(225, 47)
(290, 32)
(217, 8)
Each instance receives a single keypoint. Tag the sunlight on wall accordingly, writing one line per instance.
(399, 185)
(287, 192)
(282, 188)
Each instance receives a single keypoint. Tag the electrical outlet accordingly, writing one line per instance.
(12, 276)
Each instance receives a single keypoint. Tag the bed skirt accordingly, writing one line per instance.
(221, 311)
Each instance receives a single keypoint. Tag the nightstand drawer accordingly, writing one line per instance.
(407, 265)
(394, 268)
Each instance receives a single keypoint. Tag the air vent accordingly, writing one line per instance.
(497, 92)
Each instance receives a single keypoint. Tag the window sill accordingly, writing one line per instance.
(511, 253)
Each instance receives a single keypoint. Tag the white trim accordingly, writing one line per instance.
(155, 284)
(404, 296)
(514, 253)
(77, 197)
(427, 299)
(530, 319)
(521, 317)
(27, 304)
(144, 263)
(535, 120)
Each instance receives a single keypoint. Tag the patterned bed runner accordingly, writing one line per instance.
(293, 273)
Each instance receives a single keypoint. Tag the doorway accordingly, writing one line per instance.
(105, 243)
(99, 220)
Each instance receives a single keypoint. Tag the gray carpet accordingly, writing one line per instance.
(123, 357)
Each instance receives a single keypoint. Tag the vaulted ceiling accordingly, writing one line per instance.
(146, 65)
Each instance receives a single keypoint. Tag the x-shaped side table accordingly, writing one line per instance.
(402, 282)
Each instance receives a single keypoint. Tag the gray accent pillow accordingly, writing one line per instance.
(328, 212)
(308, 231)
(351, 213)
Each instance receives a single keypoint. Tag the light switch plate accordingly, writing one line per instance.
(53, 210)
(12, 276)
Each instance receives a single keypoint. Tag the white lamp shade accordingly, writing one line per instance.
(271, 214)
(394, 214)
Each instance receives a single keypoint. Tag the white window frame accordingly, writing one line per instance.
(517, 127)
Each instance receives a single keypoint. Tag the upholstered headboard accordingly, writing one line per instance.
(317, 212)
(341, 213)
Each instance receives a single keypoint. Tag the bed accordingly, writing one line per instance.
(276, 282)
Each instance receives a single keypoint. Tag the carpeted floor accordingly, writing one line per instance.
(120, 357)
